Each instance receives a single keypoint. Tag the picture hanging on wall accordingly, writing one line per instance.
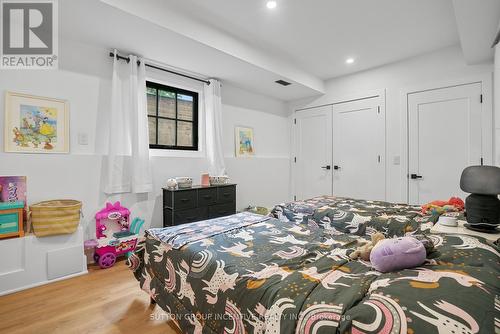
(244, 142)
(36, 124)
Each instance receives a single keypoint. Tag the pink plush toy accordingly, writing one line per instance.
(398, 253)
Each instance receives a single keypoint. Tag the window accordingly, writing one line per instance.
(173, 117)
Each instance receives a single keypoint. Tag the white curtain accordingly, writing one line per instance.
(213, 116)
(127, 167)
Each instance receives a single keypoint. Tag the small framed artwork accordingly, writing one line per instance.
(244, 142)
(36, 124)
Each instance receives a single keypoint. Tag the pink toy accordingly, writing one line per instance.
(115, 235)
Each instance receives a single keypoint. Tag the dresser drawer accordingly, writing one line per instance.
(189, 216)
(221, 210)
(181, 206)
(226, 194)
(186, 199)
(207, 196)
(9, 223)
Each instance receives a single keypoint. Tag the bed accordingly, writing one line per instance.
(291, 273)
(353, 216)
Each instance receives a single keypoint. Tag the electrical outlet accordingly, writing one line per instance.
(83, 138)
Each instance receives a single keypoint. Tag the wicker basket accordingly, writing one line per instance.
(55, 217)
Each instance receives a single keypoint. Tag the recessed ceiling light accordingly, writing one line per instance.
(271, 4)
(349, 60)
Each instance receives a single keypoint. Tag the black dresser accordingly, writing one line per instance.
(198, 203)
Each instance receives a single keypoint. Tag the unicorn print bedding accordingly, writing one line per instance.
(280, 276)
(360, 217)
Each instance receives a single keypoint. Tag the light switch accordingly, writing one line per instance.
(83, 138)
(397, 160)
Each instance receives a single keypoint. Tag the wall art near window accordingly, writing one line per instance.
(244, 142)
(36, 124)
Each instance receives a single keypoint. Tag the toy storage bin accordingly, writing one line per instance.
(55, 217)
(11, 219)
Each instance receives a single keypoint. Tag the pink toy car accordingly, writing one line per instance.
(115, 234)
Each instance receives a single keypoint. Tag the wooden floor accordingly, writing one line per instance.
(104, 301)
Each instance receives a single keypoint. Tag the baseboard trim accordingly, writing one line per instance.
(34, 285)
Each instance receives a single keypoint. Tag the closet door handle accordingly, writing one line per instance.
(415, 176)
(327, 167)
(336, 167)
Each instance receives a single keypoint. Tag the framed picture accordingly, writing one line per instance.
(244, 142)
(36, 124)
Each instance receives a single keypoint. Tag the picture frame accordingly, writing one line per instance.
(35, 124)
(244, 142)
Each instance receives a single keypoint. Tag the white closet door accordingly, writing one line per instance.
(444, 137)
(313, 135)
(359, 149)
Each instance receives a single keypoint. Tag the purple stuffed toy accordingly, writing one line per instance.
(399, 253)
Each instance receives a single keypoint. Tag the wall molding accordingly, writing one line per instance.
(30, 286)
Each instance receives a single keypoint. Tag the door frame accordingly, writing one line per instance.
(337, 100)
(486, 81)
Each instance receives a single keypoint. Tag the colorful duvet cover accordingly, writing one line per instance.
(360, 217)
(276, 276)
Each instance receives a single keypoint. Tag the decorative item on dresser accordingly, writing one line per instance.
(183, 206)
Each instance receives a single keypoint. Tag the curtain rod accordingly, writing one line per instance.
(127, 59)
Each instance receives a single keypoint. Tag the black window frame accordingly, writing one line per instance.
(177, 91)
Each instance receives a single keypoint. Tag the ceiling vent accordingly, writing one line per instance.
(283, 82)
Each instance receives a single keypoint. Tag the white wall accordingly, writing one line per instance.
(443, 65)
(267, 174)
(84, 80)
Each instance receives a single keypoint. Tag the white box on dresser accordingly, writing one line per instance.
(30, 261)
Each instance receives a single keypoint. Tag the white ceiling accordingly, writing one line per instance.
(95, 23)
(318, 35)
(477, 26)
(301, 41)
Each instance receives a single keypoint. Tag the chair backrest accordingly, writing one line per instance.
(136, 225)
